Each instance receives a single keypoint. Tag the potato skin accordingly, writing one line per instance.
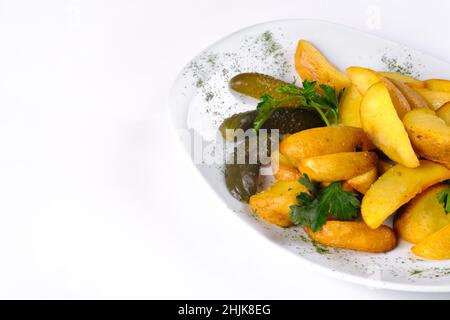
(436, 246)
(338, 166)
(355, 236)
(410, 81)
(435, 99)
(429, 134)
(363, 182)
(325, 140)
(311, 65)
(421, 217)
(274, 203)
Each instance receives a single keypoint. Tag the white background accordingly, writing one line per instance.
(96, 197)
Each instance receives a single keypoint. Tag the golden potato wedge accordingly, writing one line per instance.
(429, 134)
(436, 246)
(438, 85)
(311, 65)
(412, 82)
(383, 166)
(355, 236)
(337, 166)
(383, 126)
(364, 78)
(349, 107)
(363, 182)
(325, 140)
(444, 113)
(397, 187)
(435, 99)
(415, 100)
(286, 173)
(273, 204)
(422, 217)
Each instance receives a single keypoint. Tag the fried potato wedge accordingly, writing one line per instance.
(415, 100)
(383, 166)
(422, 217)
(349, 108)
(436, 246)
(355, 236)
(364, 78)
(337, 166)
(311, 65)
(397, 187)
(363, 182)
(438, 85)
(435, 99)
(444, 113)
(382, 124)
(273, 204)
(429, 134)
(412, 82)
(284, 168)
(325, 140)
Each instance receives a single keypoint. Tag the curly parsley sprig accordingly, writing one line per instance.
(314, 207)
(444, 198)
(326, 103)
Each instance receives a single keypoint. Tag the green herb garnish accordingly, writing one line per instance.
(444, 198)
(314, 207)
(326, 103)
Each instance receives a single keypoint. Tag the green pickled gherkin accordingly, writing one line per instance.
(256, 85)
(286, 120)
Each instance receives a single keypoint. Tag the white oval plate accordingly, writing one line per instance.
(200, 100)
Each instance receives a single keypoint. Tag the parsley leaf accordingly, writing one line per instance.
(325, 102)
(313, 209)
(444, 198)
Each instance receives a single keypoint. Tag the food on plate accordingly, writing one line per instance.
(325, 140)
(410, 81)
(429, 134)
(349, 114)
(274, 203)
(363, 182)
(423, 216)
(436, 246)
(383, 126)
(397, 187)
(311, 65)
(435, 99)
(286, 120)
(284, 168)
(444, 113)
(337, 166)
(355, 148)
(415, 100)
(356, 236)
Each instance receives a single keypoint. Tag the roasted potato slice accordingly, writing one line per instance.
(349, 107)
(438, 85)
(382, 124)
(273, 204)
(436, 246)
(444, 113)
(325, 140)
(337, 166)
(412, 82)
(311, 65)
(355, 236)
(422, 217)
(429, 134)
(397, 187)
(435, 99)
(284, 169)
(364, 78)
(363, 182)
(415, 100)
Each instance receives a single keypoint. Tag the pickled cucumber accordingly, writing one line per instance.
(287, 120)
